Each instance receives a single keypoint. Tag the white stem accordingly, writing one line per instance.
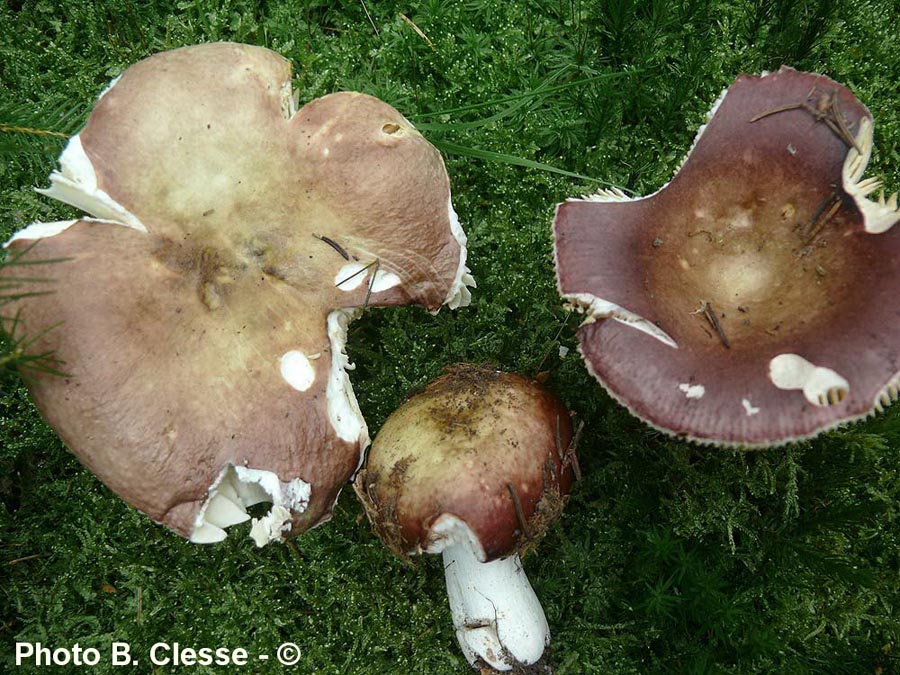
(497, 616)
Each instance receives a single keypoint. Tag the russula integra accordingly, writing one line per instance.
(202, 310)
(750, 301)
(475, 467)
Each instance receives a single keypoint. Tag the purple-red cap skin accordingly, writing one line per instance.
(753, 250)
(461, 448)
(160, 394)
(172, 339)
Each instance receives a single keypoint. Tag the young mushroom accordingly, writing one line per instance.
(201, 313)
(751, 300)
(475, 467)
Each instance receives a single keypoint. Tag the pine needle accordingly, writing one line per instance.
(16, 352)
(26, 128)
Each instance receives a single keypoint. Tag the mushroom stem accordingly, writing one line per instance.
(497, 616)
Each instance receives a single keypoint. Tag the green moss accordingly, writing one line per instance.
(670, 558)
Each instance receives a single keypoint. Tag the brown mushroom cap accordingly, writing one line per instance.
(491, 449)
(236, 233)
(752, 300)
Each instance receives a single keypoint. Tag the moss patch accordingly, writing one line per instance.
(669, 558)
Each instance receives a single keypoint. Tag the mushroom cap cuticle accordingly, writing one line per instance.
(477, 447)
(760, 247)
(200, 316)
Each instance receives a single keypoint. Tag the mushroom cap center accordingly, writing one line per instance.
(767, 257)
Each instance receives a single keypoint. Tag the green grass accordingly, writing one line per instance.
(670, 558)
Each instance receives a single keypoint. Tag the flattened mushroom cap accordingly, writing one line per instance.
(491, 450)
(203, 319)
(752, 300)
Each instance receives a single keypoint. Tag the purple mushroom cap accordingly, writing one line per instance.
(751, 301)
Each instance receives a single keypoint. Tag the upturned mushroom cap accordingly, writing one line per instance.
(478, 448)
(752, 300)
(203, 313)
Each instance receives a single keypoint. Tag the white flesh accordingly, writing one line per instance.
(821, 386)
(597, 308)
(881, 215)
(343, 410)
(238, 487)
(297, 370)
(41, 231)
(76, 184)
(459, 295)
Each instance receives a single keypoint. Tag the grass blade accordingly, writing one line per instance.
(491, 156)
(543, 89)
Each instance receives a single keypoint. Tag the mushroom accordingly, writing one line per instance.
(475, 467)
(202, 310)
(751, 300)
